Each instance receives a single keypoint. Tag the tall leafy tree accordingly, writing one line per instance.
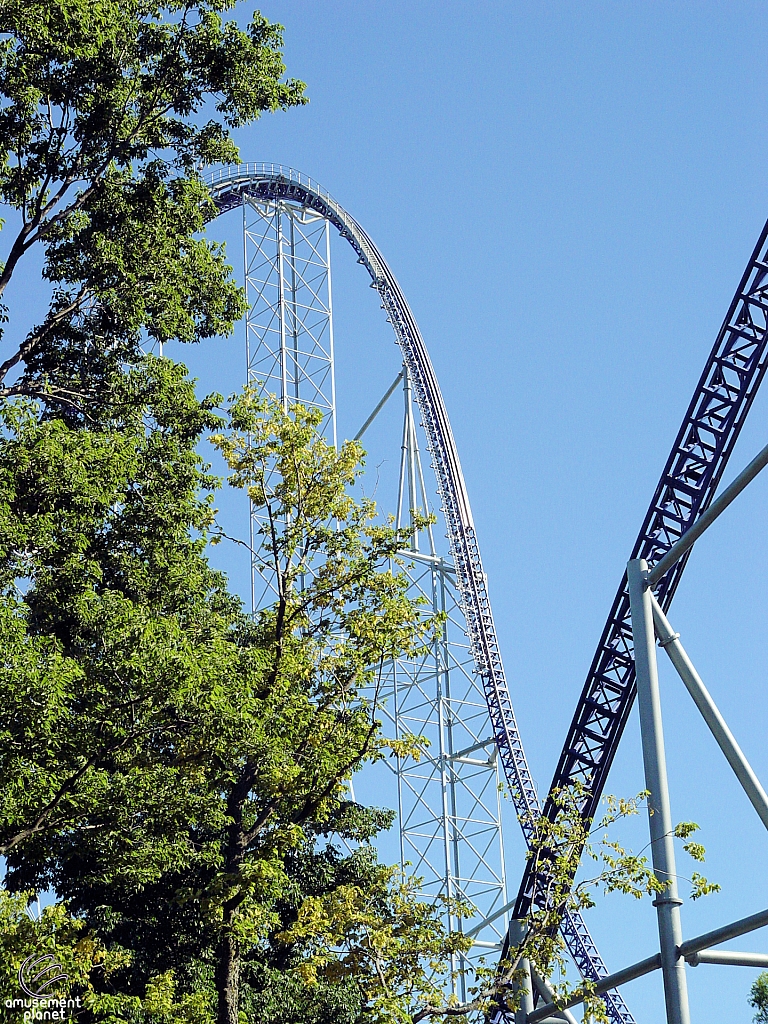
(172, 767)
(102, 136)
(135, 693)
(156, 739)
(183, 765)
(108, 110)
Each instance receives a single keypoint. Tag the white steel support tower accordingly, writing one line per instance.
(289, 321)
(449, 800)
(457, 695)
(289, 324)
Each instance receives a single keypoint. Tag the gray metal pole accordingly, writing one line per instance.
(517, 933)
(526, 1000)
(379, 407)
(671, 643)
(728, 957)
(410, 456)
(330, 331)
(659, 814)
(281, 306)
(546, 991)
(728, 931)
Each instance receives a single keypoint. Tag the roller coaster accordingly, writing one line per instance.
(290, 352)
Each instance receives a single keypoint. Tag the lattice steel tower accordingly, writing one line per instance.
(289, 320)
(448, 801)
(457, 694)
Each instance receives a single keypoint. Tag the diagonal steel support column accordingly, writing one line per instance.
(659, 814)
(728, 957)
(546, 991)
(750, 783)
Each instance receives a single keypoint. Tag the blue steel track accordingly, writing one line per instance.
(714, 418)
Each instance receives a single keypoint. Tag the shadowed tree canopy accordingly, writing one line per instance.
(166, 758)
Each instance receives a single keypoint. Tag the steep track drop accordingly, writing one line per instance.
(271, 182)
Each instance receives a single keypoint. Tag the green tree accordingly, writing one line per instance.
(182, 764)
(173, 768)
(758, 998)
(100, 151)
(107, 605)
(339, 616)
(103, 133)
(98, 569)
(84, 959)
(152, 733)
(101, 148)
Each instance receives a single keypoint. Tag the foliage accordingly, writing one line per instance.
(100, 152)
(108, 603)
(392, 945)
(54, 931)
(396, 973)
(83, 959)
(758, 998)
(385, 938)
(110, 616)
(340, 614)
(154, 737)
(558, 849)
(175, 769)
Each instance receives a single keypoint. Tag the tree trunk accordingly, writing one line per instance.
(227, 974)
(228, 979)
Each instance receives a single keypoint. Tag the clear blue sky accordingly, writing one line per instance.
(568, 193)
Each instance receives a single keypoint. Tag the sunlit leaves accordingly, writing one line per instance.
(758, 998)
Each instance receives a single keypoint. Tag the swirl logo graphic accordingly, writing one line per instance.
(38, 985)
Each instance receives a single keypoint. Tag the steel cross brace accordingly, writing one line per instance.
(689, 950)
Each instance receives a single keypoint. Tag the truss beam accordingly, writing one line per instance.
(705, 520)
(721, 401)
(288, 325)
